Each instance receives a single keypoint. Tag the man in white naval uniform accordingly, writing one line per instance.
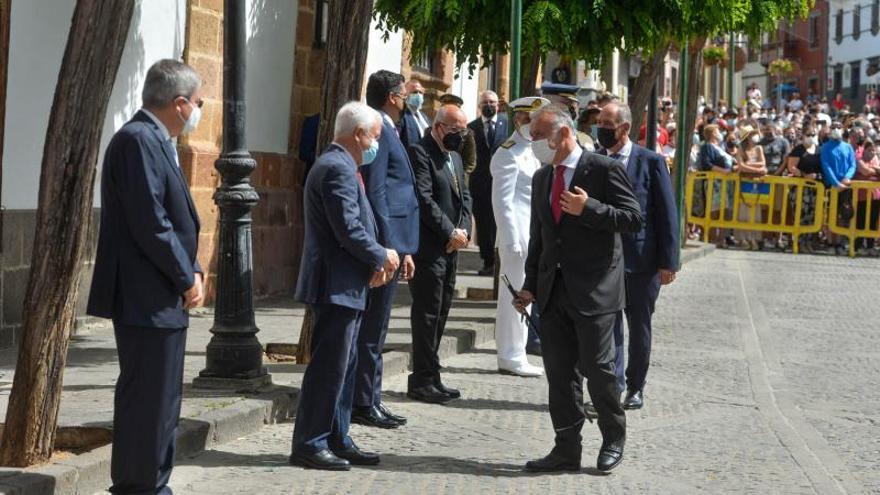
(512, 168)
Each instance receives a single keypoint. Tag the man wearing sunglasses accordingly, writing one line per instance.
(444, 228)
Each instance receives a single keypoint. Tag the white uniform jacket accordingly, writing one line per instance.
(512, 168)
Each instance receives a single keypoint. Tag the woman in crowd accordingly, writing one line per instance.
(867, 206)
(714, 158)
(751, 164)
(804, 161)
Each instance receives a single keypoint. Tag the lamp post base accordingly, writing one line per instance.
(232, 384)
(233, 363)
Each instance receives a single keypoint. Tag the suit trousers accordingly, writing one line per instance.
(146, 408)
(577, 346)
(323, 415)
(370, 341)
(432, 289)
(511, 331)
(485, 221)
(642, 291)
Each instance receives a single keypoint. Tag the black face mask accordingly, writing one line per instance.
(488, 111)
(453, 141)
(607, 137)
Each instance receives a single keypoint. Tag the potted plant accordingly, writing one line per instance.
(714, 55)
(780, 67)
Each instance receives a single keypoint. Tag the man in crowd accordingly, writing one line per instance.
(776, 148)
(838, 169)
(444, 228)
(146, 275)
(574, 269)
(650, 255)
(391, 190)
(469, 147)
(489, 130)
(341, 260)
(512, 167)
(414, 122)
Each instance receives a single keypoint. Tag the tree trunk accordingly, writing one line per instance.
(695, 82)
(347, 44)
(643, 85)
(529, 65)
(98, 32)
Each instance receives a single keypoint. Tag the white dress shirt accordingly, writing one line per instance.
(165, 134)
(624, 154)
(570, 163)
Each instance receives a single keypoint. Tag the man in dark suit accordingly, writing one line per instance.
(489, 131)
(146, 275)
(651, 254)
(341, 260)
(414, 123)
(574, 269)
(445, 226)
(469, 148)
(391, 189)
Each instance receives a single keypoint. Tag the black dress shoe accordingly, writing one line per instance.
(451, 392)
(488, 269)
(534, 350)
(372, 416)
(323, 459)
(634, 399)
(552, 463)
(429, 394)
(400, 420)
(610, 456)
(358, 457)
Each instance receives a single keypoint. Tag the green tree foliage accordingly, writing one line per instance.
(580, 29)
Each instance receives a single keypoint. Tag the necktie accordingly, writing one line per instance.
(451, 168)
(615, 156)
(361, 180)
(556, 193)
(490, 133)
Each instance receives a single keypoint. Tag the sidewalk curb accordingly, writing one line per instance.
(90, 472)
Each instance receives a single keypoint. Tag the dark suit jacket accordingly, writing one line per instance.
(391, 189)
(409, 128)
(149, 234)
(340, 251)
(586, 249)
(444, 200)
(481, 177)
(655, 246)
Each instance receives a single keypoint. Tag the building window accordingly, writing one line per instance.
(425, 61)
(322, 25)
(875, 17)
(857, 22)
(838, 78)
(838, 26)
(855, 79)
(814, 31)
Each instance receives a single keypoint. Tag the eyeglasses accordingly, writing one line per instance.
(196, 103)
(456, 130)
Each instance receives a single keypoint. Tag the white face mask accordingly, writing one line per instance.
(836, 134)
(190, 124)
(812, 141)
(543, 152)
(756, 139)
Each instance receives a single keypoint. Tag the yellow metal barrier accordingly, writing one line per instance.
(716, 200)
(853, 212)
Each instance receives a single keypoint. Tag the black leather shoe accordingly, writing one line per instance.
(534, 350)
(429, 394)
(488, 269)
(553, 463)
(323, 459)
(610, 456)
(453, 393)
(372, 416)
(634, 399)
(358, 457)
(400, 420)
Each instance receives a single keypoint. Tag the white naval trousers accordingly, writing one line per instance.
(511, 332)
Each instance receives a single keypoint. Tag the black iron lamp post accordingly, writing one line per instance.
(234, 355)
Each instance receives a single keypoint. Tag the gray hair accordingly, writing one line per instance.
(624, 114)
(559, 113)
(440, 115)
(488, 92)
(166, 80)
(352, 116)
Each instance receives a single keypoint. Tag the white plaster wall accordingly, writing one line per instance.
(271, 37)
(38, 36)
(381, 54)
(467, 87)
(851, 50)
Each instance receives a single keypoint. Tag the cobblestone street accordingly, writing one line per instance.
(763, 381)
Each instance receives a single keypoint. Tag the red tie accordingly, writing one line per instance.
(361, 180)
(556, 193)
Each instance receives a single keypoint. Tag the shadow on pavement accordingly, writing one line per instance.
(465, 403)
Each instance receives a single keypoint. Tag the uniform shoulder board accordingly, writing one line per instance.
(508, 144)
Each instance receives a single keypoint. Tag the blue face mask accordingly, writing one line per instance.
(415, 100)
(369, 154)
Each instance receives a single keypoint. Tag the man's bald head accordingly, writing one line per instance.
(451, 116)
